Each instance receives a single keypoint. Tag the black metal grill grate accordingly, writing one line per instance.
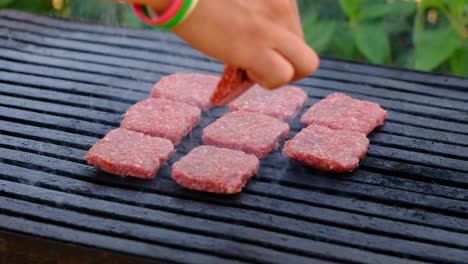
(64, 84)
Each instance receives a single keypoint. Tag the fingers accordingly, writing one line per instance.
(302, 58)
(290, 18)
(289, 60)
(269, 69)
(296, 19)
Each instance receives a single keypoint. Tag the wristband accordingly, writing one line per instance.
(160, 20)
(177, 18)
(174, 15)
(189, 10)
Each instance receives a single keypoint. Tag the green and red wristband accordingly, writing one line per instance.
(177, 12)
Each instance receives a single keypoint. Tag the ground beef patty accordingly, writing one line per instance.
(190, 88)
(162, 118)
(213, 169)
(129, 153)
(284, 103)
(339, 111)
(327, 149)
(253, 133)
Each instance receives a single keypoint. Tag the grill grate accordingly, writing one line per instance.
(64, 84)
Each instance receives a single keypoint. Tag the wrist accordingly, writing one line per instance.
(175, 13)
(159, 6)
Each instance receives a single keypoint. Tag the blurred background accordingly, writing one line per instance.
(427, 35)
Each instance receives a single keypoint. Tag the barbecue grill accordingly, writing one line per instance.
(64, 84)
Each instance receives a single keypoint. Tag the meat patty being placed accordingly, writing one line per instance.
(162, 118)
(213, 169)
(251, 132)
(190, 88)
(233, 83)
(283, 103)
(129, 153)
(339, 111)
(327, 149)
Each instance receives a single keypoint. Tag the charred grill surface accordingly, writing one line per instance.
(64, 84)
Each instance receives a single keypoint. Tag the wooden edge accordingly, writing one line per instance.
(21, 248)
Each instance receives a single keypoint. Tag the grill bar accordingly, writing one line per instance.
(62, 87)
(112, 71)
(151, 46)
(340, 232)
(440, 114)
(457, 116)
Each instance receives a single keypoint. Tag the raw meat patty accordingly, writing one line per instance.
(130, 153)
(339, 111)
(253, 133)
(233, 83)
(217, 170)
(164, 118)
(327, 149)
(190, 88)
(284, 103)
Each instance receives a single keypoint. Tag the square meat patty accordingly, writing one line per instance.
(284, 103)
(129, 153)
(339, 111)
(190, 88)
(213, 169)
(253, 133)
(327, 149)
(164, 118)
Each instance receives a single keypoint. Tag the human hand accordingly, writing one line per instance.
(263, 37)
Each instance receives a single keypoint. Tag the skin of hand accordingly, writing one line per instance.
(263, 37)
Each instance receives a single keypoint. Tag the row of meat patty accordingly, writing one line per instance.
(335, 139)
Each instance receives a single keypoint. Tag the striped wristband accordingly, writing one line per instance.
(174, 15)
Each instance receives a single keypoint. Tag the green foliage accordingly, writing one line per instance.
(372, 41)
(431, 36)
(37, 6)
(5, 3)
(375, 11)
(433, 47)
(320, 36)
(458, 62)
(351, 7)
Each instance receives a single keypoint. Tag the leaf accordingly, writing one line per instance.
(373, 42)
(456, 5)
(398, 8)
(374, 11)
(5, 3)
(37, 6)
(397, 19)
(319, 35)
(403, 8)
(433, 47)
(432, 3)
(351, 7)
(459, 61)
(309, 18)
(342, 44)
